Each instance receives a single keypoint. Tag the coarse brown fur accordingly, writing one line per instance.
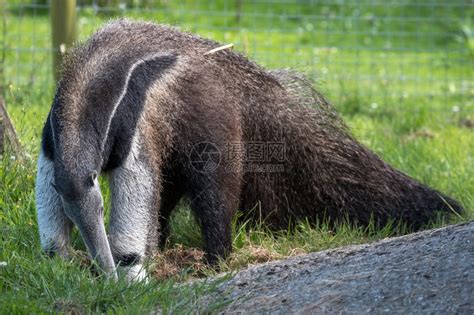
(234, 105)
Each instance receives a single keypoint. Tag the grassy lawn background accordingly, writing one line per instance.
(401, 75)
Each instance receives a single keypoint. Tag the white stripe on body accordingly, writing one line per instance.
(124, 92)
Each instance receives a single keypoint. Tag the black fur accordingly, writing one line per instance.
(127, 260)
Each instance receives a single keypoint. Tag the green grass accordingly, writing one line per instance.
(408, 97)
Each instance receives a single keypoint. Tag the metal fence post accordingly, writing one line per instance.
(64, 32)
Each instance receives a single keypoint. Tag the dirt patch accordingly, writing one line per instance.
(64, 306)
(422, 133)
(467, 123)
(174, 261)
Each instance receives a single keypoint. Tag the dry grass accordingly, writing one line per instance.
(249, 255)
(173, 262)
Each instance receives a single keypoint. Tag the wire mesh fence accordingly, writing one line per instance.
(370, 52)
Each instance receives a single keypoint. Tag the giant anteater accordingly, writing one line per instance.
(149, 106)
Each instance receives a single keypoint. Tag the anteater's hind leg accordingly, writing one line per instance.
(54, 225)
(133, 220)
(214, 200)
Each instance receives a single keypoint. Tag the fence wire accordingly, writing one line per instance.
(375, 52)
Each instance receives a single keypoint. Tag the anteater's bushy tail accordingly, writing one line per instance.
(327, 174)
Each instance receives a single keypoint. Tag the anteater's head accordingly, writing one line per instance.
(83, 204)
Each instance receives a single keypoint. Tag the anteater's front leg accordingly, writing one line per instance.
(133, 223)
(54, 226)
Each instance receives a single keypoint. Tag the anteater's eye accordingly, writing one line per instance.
(54, 186)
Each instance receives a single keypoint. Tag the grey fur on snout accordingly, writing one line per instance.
(87, 214)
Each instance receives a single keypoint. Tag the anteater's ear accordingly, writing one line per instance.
(93, 178)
